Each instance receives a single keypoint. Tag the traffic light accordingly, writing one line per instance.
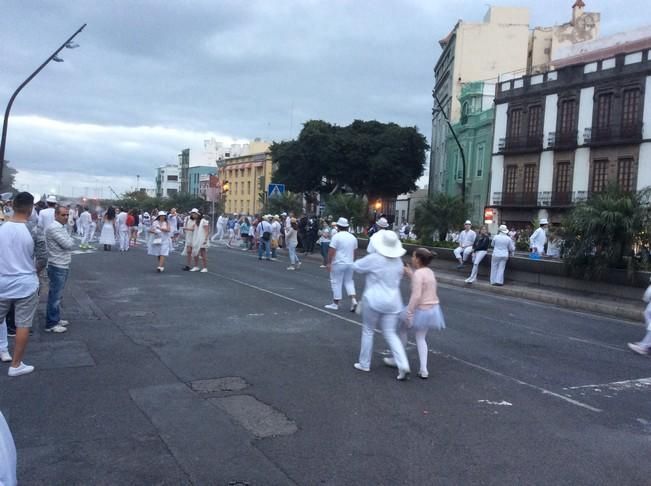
(226, 186)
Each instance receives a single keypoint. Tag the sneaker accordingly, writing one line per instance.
(332, 306)
(468, 280)
(423, 375)
(291, 268)
(390, 362)
(359, 367)
(194, 269)
(403, 375)
(5, 357)
(162, 269)
(21, 369)
(11, 333)
(64, 323)
(186, 268)
(204, 270)
(323, 266)
(638, 349)
(57, 329)
(353, 306)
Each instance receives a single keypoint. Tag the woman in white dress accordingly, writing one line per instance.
(159, 245)
(200, 237)
(503, 247)
(107, 236)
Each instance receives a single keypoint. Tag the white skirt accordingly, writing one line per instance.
(107, 236)
(425, 319)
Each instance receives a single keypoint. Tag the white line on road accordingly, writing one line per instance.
(544, 391)
(640, 383)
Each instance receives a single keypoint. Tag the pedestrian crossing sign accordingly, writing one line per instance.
(275, 189)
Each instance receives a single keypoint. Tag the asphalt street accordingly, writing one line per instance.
(240, 376)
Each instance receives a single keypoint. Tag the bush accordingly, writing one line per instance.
(440, 214)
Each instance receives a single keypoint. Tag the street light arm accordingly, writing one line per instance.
(19, 89)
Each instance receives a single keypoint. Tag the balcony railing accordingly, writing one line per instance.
(525, 143)
(545, 199)
(562, 140)
(613, 134)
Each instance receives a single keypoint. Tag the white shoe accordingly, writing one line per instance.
(638, 349)
(64, 323)
(194, 269)
(390, 362)
(21, 369)
(298, 265)
(5, 357)
(423, 375)
(332, 306)
(57, 329)
(359, 367)
(291, 268)
(469, 280)
(204, 270)
(403, 375)
(353, 306)
(161, 269)
(323, 266)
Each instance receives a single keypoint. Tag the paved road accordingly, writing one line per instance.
(240, 375)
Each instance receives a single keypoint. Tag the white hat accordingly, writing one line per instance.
(543, 221)
(283, 214)
(503, 228)
(194, 210)
(387, 244)
(467, 222)
(51, 199)
(161, 213)
(276, 216)
(268, 216)
(382, 223)
(343, 222)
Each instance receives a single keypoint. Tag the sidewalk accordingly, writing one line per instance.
(447, 274)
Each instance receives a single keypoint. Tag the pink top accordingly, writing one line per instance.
(423, 290)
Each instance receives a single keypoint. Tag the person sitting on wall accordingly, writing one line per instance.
(465, 241)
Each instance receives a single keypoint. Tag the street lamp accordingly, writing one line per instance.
(54, 57)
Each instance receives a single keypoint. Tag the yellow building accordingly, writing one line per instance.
(248, 176)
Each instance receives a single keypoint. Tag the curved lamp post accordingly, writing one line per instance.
(67, 44)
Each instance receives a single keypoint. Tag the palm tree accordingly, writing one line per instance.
(285, 202)
(439, 214)
(350, 206)
(601, 232)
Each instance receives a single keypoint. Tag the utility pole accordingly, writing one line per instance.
(70, 45)
(463, 155)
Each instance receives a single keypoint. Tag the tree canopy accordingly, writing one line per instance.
(366, 157)
(8, 178)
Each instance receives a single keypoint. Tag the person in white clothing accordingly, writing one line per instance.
(85, 220)
(123, 230)
(46, 216)
(539, 238)
(275, 236)
(503, 247)
(341, 256)
(465, 241)
(7, 455)
(381, 225)
(382, 302)
(644, 346)
(479, 250)
(161, 241)
(71, 220)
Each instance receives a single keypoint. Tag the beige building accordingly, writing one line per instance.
(502, 44)
(247, 176)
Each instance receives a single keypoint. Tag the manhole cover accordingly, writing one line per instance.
(226, 384)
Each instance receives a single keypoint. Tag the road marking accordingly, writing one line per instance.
(544, 391)
(503, 403)
(638, 384)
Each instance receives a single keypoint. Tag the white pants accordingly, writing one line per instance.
(463, 253)
(124, 239)
(91, 232)
(341, 274)
(498, 264)
(4, 344)
(389, 324)
(85, 234)
(477, 257)
(220, 232)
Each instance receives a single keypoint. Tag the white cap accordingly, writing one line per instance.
(382, 223)
(161, 213)
(343, 222)
(51, 199)
(467, 222)
(194, 210)
(543, 221)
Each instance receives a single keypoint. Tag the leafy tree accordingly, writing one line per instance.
(439, 214)
(350, 206)
(8, 178)
(601, 232)
(182, 202)
(286, 202)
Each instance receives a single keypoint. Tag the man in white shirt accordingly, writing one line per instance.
(85, 219)
(465, 240)
(539, 238)
(263, 232)
(46, 216)
(123, 229)
(341, 256)
(59, 248)
(18, 278)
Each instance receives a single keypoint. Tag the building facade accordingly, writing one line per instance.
(167, 181)
(184, 167)
(499, 47)
(248, 177)
(194, 177)
(475, 133)
(564, 135)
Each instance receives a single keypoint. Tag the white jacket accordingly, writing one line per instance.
(537, 240)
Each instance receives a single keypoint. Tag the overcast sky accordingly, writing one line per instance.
(153, 77)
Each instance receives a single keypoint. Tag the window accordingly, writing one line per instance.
(235, 188)
(510, 177)
(625, 174)
(599, 175)
(530, 173)
(630, 107)
(562, 182)
(515, 122)
(535, 121)
(479, 163)
(567, 116)
(604, 105)
(172, 178)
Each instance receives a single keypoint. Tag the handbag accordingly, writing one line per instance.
(157, 241)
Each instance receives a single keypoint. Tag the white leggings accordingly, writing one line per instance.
(421, 346)
(477, 257)
(341, 274)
